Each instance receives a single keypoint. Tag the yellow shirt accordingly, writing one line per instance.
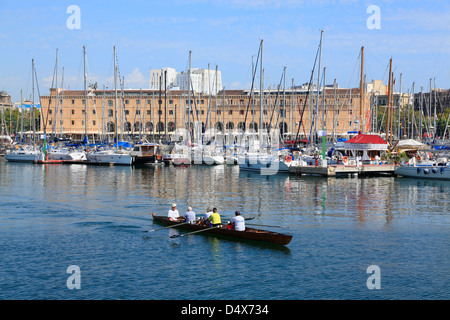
(215, 218)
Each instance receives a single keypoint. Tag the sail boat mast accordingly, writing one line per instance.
(261, 96)
(361, 98)
(85, 95)
(115, 98)
(318, 87)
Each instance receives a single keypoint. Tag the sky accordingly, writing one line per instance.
(227, 33)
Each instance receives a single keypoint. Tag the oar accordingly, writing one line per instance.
(225, 218)
(172, 226)
(261, 225)
(186, 234)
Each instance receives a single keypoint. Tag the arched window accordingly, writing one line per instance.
(218, 126)
(171, 126)
(230, 126)
(253, 127)
(149, 126)
(137, 126)
(110, 127)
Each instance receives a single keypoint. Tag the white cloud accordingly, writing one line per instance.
(136, 79)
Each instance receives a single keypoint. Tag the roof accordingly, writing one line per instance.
(366, 138)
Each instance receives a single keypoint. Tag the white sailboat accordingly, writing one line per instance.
(65, 153)
(257, 159)
(26, 153)
(114, 154)
(23, 153)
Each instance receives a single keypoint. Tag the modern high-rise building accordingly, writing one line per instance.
(205, 81)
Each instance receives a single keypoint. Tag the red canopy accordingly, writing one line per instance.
(366, 138)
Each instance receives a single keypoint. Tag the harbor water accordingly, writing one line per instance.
(53, 217)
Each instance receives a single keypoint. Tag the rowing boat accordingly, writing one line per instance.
(248, 234)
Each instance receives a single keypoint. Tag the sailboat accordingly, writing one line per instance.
(60, 151)
(27, 152)
(257, 158)
(108, 154)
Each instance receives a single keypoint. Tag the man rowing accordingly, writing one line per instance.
(237, 222)
(189, 216)
(173, 213)
(214, 218)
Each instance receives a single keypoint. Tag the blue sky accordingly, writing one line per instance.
(227, 33)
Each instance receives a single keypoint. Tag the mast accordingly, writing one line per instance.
(115, 98)
(33, 113)
(56, 96)
(399, 107)
(420, 113)
(85, 97)
(361, 98)
(189, 98)
(318, 88)
(412, 113)
(261, 96)
(389, 100)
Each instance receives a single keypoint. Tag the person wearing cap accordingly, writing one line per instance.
(238, 222)
(173, 214)
(189, 216)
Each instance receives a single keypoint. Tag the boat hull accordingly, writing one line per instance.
(22, 157)
(424, 172)
(248, 234)
(267, 165)
(118, 159)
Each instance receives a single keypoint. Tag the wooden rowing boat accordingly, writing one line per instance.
(248, 234)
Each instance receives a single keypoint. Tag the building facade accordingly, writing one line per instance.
(150, 114)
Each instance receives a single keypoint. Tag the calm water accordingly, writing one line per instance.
(55, 216)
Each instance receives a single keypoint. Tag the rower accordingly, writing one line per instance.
(215, 218)
(189, 216)
(204, 220)
(173, 213)
(238, 222)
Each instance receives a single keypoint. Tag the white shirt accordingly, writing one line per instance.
(208, 214)
(239, 223)
(190, 216)
(174, 214)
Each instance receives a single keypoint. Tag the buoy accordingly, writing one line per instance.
(288, 159)
(345, 160)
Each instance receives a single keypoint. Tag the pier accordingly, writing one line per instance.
(340, 170)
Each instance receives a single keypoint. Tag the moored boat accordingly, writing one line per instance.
(248, 234)
(439, 171)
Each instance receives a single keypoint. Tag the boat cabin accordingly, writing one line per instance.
(367, 147)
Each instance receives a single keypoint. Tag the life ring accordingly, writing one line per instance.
(344, 159)
(288, 159)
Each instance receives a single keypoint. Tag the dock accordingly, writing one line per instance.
(342, 170)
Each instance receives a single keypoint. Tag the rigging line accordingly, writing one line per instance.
(302, 112)
(274, 106)
(253, 87)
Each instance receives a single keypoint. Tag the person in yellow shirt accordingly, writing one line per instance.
(215, 218)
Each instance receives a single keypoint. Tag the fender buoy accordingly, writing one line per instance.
(344, 159)
(288, 159)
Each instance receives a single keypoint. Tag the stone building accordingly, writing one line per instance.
(152, 114)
